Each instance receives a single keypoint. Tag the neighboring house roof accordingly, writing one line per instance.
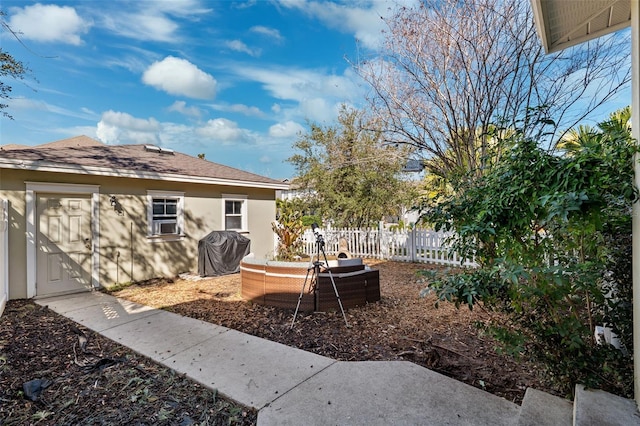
(81, 140)
(83, 155)
(12, 146)
(562, 23)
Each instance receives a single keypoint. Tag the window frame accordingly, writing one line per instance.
(166, 195)
(244, 209)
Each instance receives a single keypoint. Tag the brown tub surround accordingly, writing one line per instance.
(278, 284)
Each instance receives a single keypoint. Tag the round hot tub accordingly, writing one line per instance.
(276, 283)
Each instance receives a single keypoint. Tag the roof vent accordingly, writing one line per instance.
(153, 148)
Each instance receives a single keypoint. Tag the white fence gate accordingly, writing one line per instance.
(4, 254)
(414, 245)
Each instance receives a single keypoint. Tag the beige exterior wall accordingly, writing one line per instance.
(14, 192)
(126, 252)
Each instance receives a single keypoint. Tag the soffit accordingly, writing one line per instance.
(565, 23)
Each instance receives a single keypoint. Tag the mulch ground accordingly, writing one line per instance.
(55, 372)
(75, 376)
(402, 326)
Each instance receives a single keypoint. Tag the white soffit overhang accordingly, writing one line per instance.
(565, 23)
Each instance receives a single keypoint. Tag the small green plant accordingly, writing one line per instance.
(118, 286)
(289, 228)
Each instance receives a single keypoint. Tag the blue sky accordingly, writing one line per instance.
(236, 80)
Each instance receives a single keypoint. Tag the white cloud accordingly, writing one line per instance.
(239, 46)
(180, 77)
(315, 93)
(272, 33)
(245, 5)
(222, 130)
(287, 129)
(143, 26)
(178, 136)
(154, 20)
(121, 128)
(182, 108)
(27, 104)
(319, 109)
(249, 111)
(364, 21)
(49, 23)
(298, 84)
(178, 8)
(88, 112)
(132, 58)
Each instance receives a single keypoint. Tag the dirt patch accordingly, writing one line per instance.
(402, 326)
(77, 377)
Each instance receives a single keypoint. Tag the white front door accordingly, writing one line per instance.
(63, 243)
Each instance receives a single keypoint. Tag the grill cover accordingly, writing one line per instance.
(220, 253)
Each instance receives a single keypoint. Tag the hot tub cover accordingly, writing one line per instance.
(220, 253)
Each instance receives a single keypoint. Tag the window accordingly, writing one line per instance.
(165, 214)
(235, 212)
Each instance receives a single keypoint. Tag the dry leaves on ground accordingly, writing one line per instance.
(402, 326)
(77, 377)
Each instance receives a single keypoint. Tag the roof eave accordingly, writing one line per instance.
(541, 27)
(43, 166)
(550, 46)
(573, 42)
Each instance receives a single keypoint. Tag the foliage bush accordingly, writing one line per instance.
(289, 227)
(552, 237)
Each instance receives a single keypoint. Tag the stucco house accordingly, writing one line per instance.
(81, 214)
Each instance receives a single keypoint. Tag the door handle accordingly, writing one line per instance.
(87, 243)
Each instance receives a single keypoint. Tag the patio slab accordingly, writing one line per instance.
(287, 385)
(163, 334)
(72, 302)
(250, 370)
(386, 393)
(97, 311)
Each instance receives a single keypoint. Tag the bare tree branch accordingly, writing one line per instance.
(449, 71)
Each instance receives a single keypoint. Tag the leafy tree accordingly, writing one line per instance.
(350, 177)
(445, 173)
(617, 125)
(448, 70)
(9, 68)
(544, 230)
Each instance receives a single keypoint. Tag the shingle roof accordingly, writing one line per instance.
(87, 156)
(81, 140)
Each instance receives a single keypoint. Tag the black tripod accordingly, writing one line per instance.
(314, 269)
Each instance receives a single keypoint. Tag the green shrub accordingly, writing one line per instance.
(552, 237)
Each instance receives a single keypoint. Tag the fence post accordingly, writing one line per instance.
(384, 241)
(414, 245)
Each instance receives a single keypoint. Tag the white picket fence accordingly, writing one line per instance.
(413, 245)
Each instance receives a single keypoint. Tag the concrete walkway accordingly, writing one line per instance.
(288, 386)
